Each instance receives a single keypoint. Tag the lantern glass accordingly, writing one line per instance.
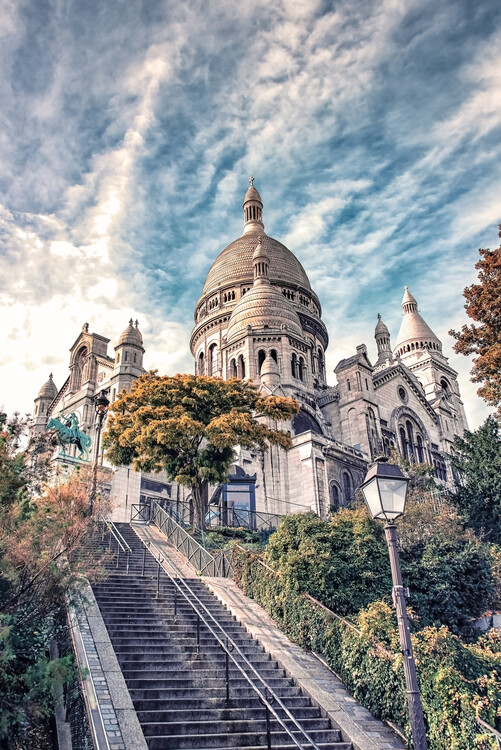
(385, 496)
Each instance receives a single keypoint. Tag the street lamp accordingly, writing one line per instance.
(385, 491)
(102, 404)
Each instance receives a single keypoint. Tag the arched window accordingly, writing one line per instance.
(125, 356)
(241, 367)
(335, 498)
(321, 363)
(135, 357)
(410, 437)
(79, 367)
(347, 487)
(201, 364)
(274, 355)
(301, 369)
(294, 365)
(233, 369)
(213, 360)
(118, 358)
(261, 356)
(446, 388)
(420, 451)
(403, 442)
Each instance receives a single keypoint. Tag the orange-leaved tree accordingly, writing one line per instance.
(189, 425)
(483, 338)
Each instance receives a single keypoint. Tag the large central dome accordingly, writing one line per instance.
(234, 264)
(231, 277)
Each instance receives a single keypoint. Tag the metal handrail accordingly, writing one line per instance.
(121, 543)
(490, 730)
(224, 647)
(118, 536)
(206, 563)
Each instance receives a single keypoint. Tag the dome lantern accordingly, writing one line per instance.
(253, 210)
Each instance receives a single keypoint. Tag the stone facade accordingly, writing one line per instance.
(259, 318)
(91, 370)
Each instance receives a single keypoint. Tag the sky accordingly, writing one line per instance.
(129, 130)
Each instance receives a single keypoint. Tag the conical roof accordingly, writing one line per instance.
(414, 330)
(381, 327)
(252, 195)
(48, 390)
(131, 335)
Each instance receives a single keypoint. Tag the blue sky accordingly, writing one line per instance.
(129, 130)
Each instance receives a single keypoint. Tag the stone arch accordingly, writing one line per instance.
(305, 421)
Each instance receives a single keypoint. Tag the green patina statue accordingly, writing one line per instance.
(68, 432)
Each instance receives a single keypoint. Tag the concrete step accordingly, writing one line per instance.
(241, 740)
(186, 716)
(179, 694)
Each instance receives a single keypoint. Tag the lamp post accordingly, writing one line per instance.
(102, 404)
(385, 491)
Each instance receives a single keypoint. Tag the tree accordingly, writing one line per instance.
(483, 304)
(189, 425)
(41, 526)
(477, 462)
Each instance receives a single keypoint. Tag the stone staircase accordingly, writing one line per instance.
(175, 669)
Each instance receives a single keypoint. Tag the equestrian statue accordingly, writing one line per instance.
(68, 432)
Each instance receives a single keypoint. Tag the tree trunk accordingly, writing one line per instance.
(200, 494)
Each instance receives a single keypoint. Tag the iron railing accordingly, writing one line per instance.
(217, 565)
(207, 564)
(218, 515)
(266, 695)
(115, 538)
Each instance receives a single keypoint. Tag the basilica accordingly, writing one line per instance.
(258, 318)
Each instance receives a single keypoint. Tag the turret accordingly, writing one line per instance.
(129, 351)
(270, 373)
(46, 396)
(382, 336)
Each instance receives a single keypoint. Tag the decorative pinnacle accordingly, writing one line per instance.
(251, 180)
(379, 316)
(131, 322)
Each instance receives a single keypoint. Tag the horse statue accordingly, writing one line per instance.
(69, 433)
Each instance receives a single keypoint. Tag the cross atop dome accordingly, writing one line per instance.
(251, 180)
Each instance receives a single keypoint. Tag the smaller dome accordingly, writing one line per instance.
(252, 195)
(131, 335)
(263, 306)
(381, 327)
(48, 390)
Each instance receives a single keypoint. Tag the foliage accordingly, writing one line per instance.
(344, 563)
(483, 338)
(457, 682)
(450, 580)
(41, 527)
(477, 462)
(189, 425)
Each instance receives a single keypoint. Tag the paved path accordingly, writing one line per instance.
(309, 673)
